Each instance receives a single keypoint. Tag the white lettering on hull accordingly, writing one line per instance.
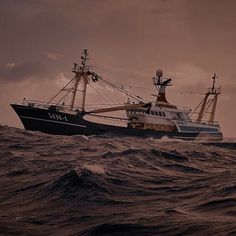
(52, 121)
(57, 117)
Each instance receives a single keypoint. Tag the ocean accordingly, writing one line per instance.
(104, 185)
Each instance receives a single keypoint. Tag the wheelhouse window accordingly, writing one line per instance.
(178, 116)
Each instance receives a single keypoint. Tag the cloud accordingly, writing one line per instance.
(53, 55)
(18, 71)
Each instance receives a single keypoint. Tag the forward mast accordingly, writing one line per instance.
(81, 75)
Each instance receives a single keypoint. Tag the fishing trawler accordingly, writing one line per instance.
(143, 118)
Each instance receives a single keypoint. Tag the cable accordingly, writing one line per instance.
(60, 91)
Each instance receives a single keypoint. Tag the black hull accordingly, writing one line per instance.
(60, 123)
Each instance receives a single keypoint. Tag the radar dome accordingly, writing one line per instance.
(159, 73)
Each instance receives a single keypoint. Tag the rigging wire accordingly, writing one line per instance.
(97, 91)
(117, 98)
(63, 97)
(63, 89)
(194, 112)
(106, 92)
(121, 89)
(208, 106)
(114, 93)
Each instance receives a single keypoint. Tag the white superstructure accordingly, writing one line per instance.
(163, 116)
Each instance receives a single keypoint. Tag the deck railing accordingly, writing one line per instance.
(43, 104)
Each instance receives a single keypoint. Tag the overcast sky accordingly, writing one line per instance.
(127, 41)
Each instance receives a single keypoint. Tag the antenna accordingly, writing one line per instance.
(84, 57)
(214, 81)
(214, 90)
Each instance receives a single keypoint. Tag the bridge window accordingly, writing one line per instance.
(179, 116)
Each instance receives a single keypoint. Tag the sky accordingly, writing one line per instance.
(127, 41)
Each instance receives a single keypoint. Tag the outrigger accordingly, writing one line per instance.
(143, 118)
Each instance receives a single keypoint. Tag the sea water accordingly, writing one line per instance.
(98, 185)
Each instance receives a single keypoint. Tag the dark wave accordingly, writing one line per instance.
(104, 185)
(229, 145)
(122, 229)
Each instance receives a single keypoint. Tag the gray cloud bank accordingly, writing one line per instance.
(23, 70)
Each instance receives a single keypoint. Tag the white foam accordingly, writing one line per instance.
(85, 137)
(96, 169)
(167, 139)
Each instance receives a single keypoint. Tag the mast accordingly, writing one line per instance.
(161, 84)
(212, 115)
(84, 75)
(81, 73)
(77, 78)
(203, 107)
(215, 93)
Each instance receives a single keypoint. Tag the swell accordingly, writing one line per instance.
(115, 186)
(76, 185)
(122, 229)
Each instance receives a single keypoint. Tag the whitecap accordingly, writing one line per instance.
(96, 169)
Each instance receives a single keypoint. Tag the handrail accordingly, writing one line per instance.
(206, 122)
(184, 108)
